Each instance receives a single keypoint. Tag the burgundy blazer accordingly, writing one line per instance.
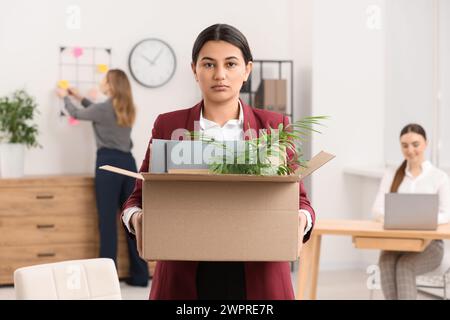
(176, 280)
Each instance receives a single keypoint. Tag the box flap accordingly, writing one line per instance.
(122, 171)
(217, 177)
(315, 163)
(200, 177)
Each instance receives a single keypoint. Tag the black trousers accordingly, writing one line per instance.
(221, 281)
(112, 190)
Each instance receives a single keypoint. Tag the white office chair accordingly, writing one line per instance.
(89, 279)
(430, 283)
(436, 282)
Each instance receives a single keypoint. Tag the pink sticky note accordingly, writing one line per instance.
(73, 121)
(77, 52)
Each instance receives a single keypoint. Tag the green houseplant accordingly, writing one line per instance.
(276, 151)
(17, 131)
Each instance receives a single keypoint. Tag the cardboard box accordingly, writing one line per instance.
(208, 217)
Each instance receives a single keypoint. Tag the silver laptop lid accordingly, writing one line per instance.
(411, 211)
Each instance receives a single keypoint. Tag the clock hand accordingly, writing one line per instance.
(147, 59)
(157, 56)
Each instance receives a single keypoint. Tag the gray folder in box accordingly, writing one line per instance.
(172, 155)
(158, 156)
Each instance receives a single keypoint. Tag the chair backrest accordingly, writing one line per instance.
(88, 279)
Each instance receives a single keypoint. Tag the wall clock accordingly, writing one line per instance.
(152, 62)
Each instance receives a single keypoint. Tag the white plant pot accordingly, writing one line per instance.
(12, 158)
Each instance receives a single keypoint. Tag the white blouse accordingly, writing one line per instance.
(431, 180)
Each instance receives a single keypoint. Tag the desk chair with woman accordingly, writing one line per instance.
(398, 270)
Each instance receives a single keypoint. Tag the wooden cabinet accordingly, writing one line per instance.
(50, 219)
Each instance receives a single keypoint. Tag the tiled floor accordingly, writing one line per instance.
(332, 285)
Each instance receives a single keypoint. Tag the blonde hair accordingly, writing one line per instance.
(122, 98)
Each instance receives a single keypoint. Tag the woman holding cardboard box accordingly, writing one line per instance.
(112, 121)
(221, 63)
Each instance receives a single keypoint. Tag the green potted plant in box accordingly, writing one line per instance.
(276, 151)
(17, 131)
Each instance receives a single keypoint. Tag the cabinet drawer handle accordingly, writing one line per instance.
(45, 254)
(45, 226)
(44, 196)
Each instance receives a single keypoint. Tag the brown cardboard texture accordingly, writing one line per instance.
(209, 217)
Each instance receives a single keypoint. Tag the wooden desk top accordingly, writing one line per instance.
(370, 228)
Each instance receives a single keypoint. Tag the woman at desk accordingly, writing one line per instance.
(398, 270)
(221, 63)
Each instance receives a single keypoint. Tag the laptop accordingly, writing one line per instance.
(411, 211)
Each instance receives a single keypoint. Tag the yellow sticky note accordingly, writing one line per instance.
(63, 84)
(102, 68)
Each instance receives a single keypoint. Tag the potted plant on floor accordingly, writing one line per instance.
(17, 131)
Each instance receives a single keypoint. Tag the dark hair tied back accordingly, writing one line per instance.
(222, 32)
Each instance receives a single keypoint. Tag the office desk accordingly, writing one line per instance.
(366, 234)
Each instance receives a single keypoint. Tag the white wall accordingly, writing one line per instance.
(348, 85)
(300, 33)
(444, 74)
(32, 31)
(409, 66)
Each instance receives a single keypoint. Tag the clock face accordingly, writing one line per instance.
(152, 63)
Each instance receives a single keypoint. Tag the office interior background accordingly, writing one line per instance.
(371, 65)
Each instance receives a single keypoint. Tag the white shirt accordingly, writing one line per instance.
(231, 130)
(430, 180)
